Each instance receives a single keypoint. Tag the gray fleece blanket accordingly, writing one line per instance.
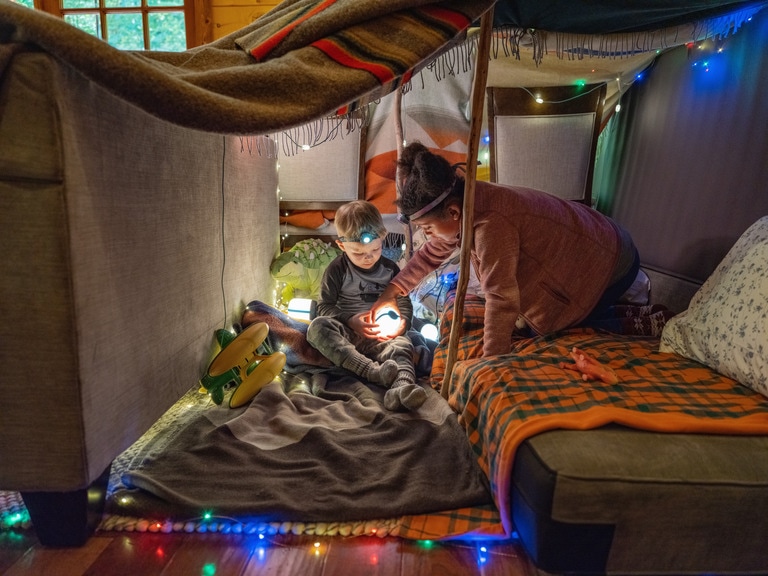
(316, 444)
(310, 447)
(304, 60)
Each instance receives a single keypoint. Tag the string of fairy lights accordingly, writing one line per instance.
(268, 535)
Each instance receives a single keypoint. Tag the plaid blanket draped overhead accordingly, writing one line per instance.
(304, 60)
(389, 40)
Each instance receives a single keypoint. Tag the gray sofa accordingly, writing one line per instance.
(127, 241)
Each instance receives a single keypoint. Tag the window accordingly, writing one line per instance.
(167, 25)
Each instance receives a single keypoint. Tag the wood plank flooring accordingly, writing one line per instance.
(151, 554)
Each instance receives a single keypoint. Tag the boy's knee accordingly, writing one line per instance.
(315, 330)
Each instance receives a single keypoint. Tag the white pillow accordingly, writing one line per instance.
(726, 323)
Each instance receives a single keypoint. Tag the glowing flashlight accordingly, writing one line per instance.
(388, 321)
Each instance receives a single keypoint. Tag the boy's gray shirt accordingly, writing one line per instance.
(347, 290)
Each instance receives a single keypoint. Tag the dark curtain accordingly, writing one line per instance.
(685, 163)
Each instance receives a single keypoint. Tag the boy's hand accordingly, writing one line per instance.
(363, 325)
(399, 332)
(379, 306)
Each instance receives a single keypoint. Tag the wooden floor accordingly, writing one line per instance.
(147, 554)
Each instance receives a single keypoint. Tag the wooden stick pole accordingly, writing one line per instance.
(468, 211)
(399, 135)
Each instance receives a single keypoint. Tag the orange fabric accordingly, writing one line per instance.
(307, 218)
(380, 182)
(503, 400)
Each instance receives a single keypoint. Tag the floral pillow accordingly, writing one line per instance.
(726, 323)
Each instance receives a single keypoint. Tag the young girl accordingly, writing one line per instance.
(547, 262)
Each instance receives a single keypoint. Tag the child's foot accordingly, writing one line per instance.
(384, 373)
(651, 325)
(632, 311)
(405, 393)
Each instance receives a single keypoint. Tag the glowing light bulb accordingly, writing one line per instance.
(388, 321)
(305, 147)
(430, 332)
(539, 100)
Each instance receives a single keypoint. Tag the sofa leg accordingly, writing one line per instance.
(67, 519)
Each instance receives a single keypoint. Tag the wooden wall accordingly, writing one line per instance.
(228, 16)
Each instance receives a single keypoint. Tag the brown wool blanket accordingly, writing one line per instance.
(304, 60)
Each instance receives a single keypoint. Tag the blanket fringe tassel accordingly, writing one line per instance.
(568, 46)
(507, 42)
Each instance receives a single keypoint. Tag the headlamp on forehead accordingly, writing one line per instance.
(363, 238)
(405, 219)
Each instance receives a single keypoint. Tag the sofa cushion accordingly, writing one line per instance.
(597, 501)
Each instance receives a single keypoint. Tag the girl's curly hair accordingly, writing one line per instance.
(425, 176)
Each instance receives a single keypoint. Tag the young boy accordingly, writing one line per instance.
(344, 331)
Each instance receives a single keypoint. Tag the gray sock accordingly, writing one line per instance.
(366, 368)
(404, 393)
(383, 373)
(357, 364)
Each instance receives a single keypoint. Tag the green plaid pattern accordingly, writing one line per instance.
(504, 400)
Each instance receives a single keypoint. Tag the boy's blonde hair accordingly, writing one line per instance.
(358, 218)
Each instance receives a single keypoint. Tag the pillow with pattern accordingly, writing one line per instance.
(726, 323)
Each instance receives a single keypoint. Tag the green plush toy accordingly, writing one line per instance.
(301, 268)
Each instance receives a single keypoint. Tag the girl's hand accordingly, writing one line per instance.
(388, 298)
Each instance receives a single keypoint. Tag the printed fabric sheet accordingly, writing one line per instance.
(504, 400)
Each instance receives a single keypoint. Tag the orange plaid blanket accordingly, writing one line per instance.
(504, 400)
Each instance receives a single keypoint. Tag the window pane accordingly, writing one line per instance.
(27, 3)
(80, 4)
(122, 3)
(167, 31)
(165, 2)
(86, 22)
(125, 31)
